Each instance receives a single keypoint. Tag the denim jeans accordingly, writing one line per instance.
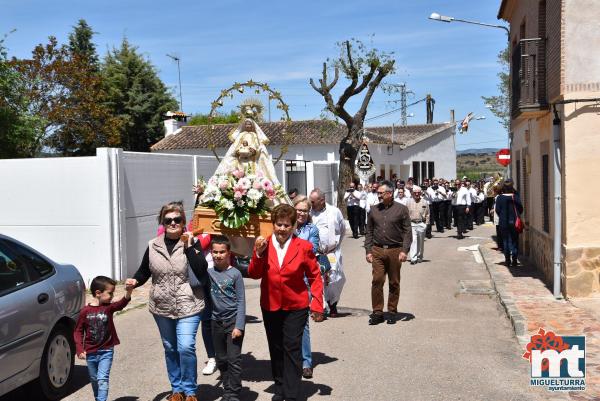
(179, 340)
(510, 239)
(99, 364)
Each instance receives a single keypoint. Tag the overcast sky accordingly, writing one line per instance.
(284, 43)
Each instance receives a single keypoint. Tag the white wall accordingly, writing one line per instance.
(61, 207)
(96, 213)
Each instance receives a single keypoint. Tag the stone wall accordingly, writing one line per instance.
(582, 271)
(540, 254)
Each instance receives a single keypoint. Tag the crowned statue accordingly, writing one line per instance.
(248, 153)
(244, 185)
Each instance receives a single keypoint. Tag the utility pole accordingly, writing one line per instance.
(177, 59)
(403, 106)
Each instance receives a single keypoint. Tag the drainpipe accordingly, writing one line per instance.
(557, 206)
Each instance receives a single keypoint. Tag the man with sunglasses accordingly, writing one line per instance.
(387, 244)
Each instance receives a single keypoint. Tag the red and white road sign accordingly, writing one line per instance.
(503, 157)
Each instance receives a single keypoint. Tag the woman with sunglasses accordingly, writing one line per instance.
(174, 303)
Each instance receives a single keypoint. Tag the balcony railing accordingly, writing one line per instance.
(529, 77)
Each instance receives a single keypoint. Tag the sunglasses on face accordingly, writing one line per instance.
(168, 220)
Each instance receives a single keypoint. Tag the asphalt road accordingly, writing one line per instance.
(450, 346)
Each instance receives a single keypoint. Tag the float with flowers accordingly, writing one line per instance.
(237, 199)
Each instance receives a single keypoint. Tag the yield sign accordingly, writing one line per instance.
(503, 157)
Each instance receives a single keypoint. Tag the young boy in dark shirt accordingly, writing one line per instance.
(228, 316)
(95, 334)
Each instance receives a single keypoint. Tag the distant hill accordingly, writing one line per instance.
(480, 151)
(477, 163)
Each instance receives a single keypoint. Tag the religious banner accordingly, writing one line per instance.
(364, 166)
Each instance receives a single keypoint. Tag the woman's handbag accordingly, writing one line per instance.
(518, 222)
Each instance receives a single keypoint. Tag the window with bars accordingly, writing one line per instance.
(545, 194)
(416, 171)
(518, 168)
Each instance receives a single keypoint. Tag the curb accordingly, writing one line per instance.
(518, 322)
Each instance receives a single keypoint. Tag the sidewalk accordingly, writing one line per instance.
(139, 297)
(530, 305)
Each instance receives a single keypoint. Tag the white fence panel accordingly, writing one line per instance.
(61, 207)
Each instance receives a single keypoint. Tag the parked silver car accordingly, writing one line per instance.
(39, 305)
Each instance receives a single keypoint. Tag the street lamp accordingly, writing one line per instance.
(445, 18)
(177, 60)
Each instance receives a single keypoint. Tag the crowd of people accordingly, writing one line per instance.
(196, 281)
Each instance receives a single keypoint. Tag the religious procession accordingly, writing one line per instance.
(332, 213)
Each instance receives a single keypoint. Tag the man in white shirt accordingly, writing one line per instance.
(436, 194)
(399, 197)
(473, 208)
(363, 209)
(352, 199)
(372, 198)
(330, 222)
(462, 200)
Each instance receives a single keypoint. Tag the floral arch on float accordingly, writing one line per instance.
(236, 201)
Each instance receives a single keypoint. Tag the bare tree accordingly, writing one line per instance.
(365, 69)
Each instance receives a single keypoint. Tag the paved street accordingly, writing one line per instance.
(450, 346)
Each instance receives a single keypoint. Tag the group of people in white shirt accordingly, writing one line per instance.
(458, 203)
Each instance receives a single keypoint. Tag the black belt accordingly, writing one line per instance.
(387, 246)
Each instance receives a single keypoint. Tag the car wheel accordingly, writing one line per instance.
(56, 368)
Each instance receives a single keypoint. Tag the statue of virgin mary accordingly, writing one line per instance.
(248, 152)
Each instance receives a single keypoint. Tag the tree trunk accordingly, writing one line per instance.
(348, 150)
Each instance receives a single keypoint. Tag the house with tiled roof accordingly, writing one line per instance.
(420, 151)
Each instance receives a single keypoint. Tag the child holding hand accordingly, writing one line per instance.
(95, 334)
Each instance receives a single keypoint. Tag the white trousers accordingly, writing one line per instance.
(418, 241)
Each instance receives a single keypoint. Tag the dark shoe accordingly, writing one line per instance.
(391, 320)
(277, 397)
(413, 262)
(176, 397)
(515, 261)
(307, 373)
(375, 319)
(460, 237)
(506, 261)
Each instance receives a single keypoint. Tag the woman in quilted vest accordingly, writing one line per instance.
(176, 302)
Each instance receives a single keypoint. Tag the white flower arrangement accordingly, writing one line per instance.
(236, 195)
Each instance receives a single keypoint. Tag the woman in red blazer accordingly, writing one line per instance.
(281, 261)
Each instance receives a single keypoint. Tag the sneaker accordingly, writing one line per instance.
(210, 368)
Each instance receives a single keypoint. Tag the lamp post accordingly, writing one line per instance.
(445, 18)
(177, 59)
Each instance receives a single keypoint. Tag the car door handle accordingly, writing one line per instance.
(43, 298)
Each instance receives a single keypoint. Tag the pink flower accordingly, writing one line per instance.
(270, 193)
(266, 184)
(237, 195)
(237, 173)
(259, 174)
(257, 185)
(223, 184)
(244, 183)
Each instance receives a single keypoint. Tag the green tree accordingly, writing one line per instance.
(65, 90)
(202, 119)
(364, 68)
(18, 129)
(81, 44)
(499, 105)
(137, 96)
